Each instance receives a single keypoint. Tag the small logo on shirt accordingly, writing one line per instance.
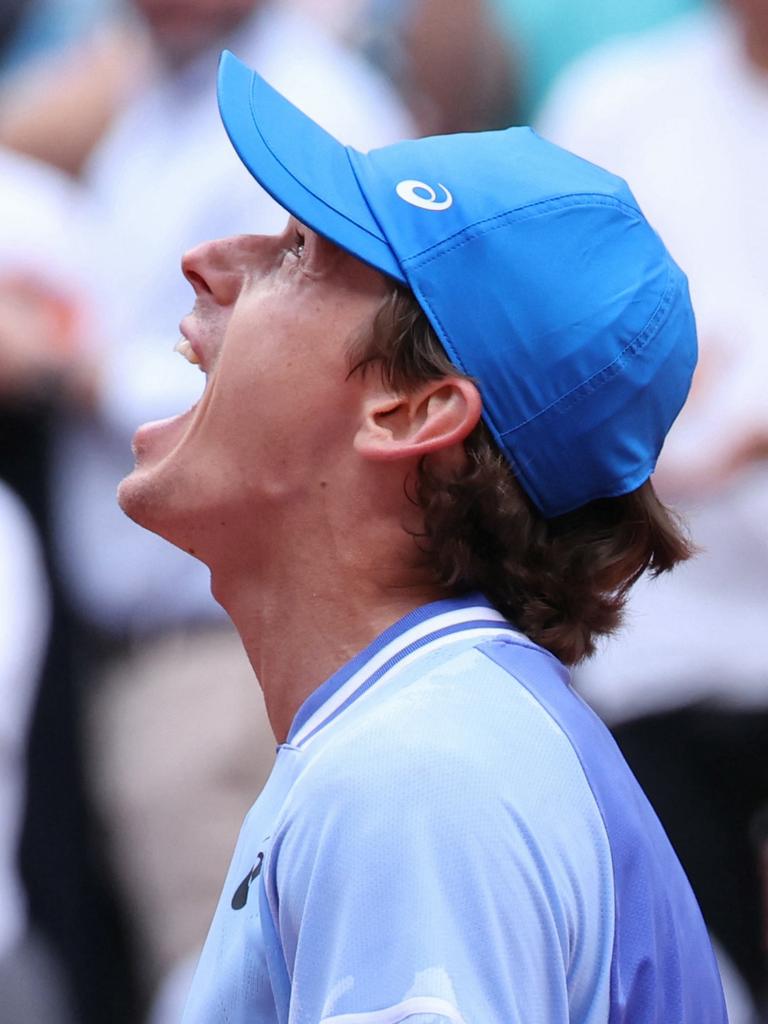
(240, 897)
(418, 193)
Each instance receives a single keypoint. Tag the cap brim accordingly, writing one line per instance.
(302, 167)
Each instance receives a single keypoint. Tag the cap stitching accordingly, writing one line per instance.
(573, 396)
(349, 150)
(592, 382)
(520, 213)
(576, 395)
(607, 372)
(456, 357)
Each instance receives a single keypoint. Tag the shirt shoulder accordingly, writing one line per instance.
(461, 730)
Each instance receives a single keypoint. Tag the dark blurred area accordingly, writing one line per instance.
(72, 961)
(10, 13)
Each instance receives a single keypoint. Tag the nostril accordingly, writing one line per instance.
(197, 281)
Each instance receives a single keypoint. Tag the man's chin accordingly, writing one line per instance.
(130, 499)
(142, 501)
(150, 502)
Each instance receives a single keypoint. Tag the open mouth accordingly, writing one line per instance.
(161, 435)
(185, 348)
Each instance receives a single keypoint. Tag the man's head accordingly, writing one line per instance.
(562, 580)
(348, 367)
(537, 271)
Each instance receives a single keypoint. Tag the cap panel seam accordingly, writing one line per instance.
(574, 395)
(438, 322)
(607, 372)
(456, 357)
(517, 215)
(349, 150)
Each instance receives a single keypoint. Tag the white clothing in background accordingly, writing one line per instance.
(24, 615)
(683, 117)
(43, 228)
(341, 17)
(164, 179)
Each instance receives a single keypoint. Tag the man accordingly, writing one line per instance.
(448, 834)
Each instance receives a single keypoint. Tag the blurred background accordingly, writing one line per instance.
(132, 735)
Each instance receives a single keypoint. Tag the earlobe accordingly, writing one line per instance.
(435, 417)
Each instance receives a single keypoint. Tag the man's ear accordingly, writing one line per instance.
(434, 417)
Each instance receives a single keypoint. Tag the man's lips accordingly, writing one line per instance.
(159, 437)
(163, 433)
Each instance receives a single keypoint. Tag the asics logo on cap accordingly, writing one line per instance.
(413, 192)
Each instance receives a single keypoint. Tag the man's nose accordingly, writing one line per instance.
(208, 268)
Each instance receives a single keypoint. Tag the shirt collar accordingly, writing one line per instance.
(420, 630)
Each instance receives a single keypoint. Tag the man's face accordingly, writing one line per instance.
(279, 413)
(183, 29)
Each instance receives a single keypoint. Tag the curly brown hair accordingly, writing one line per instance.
(562, 581)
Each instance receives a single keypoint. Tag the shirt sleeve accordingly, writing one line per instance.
(420, 895)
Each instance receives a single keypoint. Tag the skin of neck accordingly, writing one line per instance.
(319, 583)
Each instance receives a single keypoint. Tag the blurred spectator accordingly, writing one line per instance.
(548, 34)
(41, 325)
(42, 227)
(37, 327)
(49, 108)
(162, 179)
(454, 72)
(457, 74)
(682, 113)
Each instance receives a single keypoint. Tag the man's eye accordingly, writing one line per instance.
(294, 246)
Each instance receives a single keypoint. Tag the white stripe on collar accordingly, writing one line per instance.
(418, 634)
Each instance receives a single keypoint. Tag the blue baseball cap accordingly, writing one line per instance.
(538, 271)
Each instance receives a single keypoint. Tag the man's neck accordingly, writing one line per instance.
(300, 626)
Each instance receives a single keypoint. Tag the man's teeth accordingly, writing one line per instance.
(184, 347)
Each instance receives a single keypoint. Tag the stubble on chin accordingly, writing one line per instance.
(152, 504)
(141, 499)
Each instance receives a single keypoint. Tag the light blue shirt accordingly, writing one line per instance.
(450, 835)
